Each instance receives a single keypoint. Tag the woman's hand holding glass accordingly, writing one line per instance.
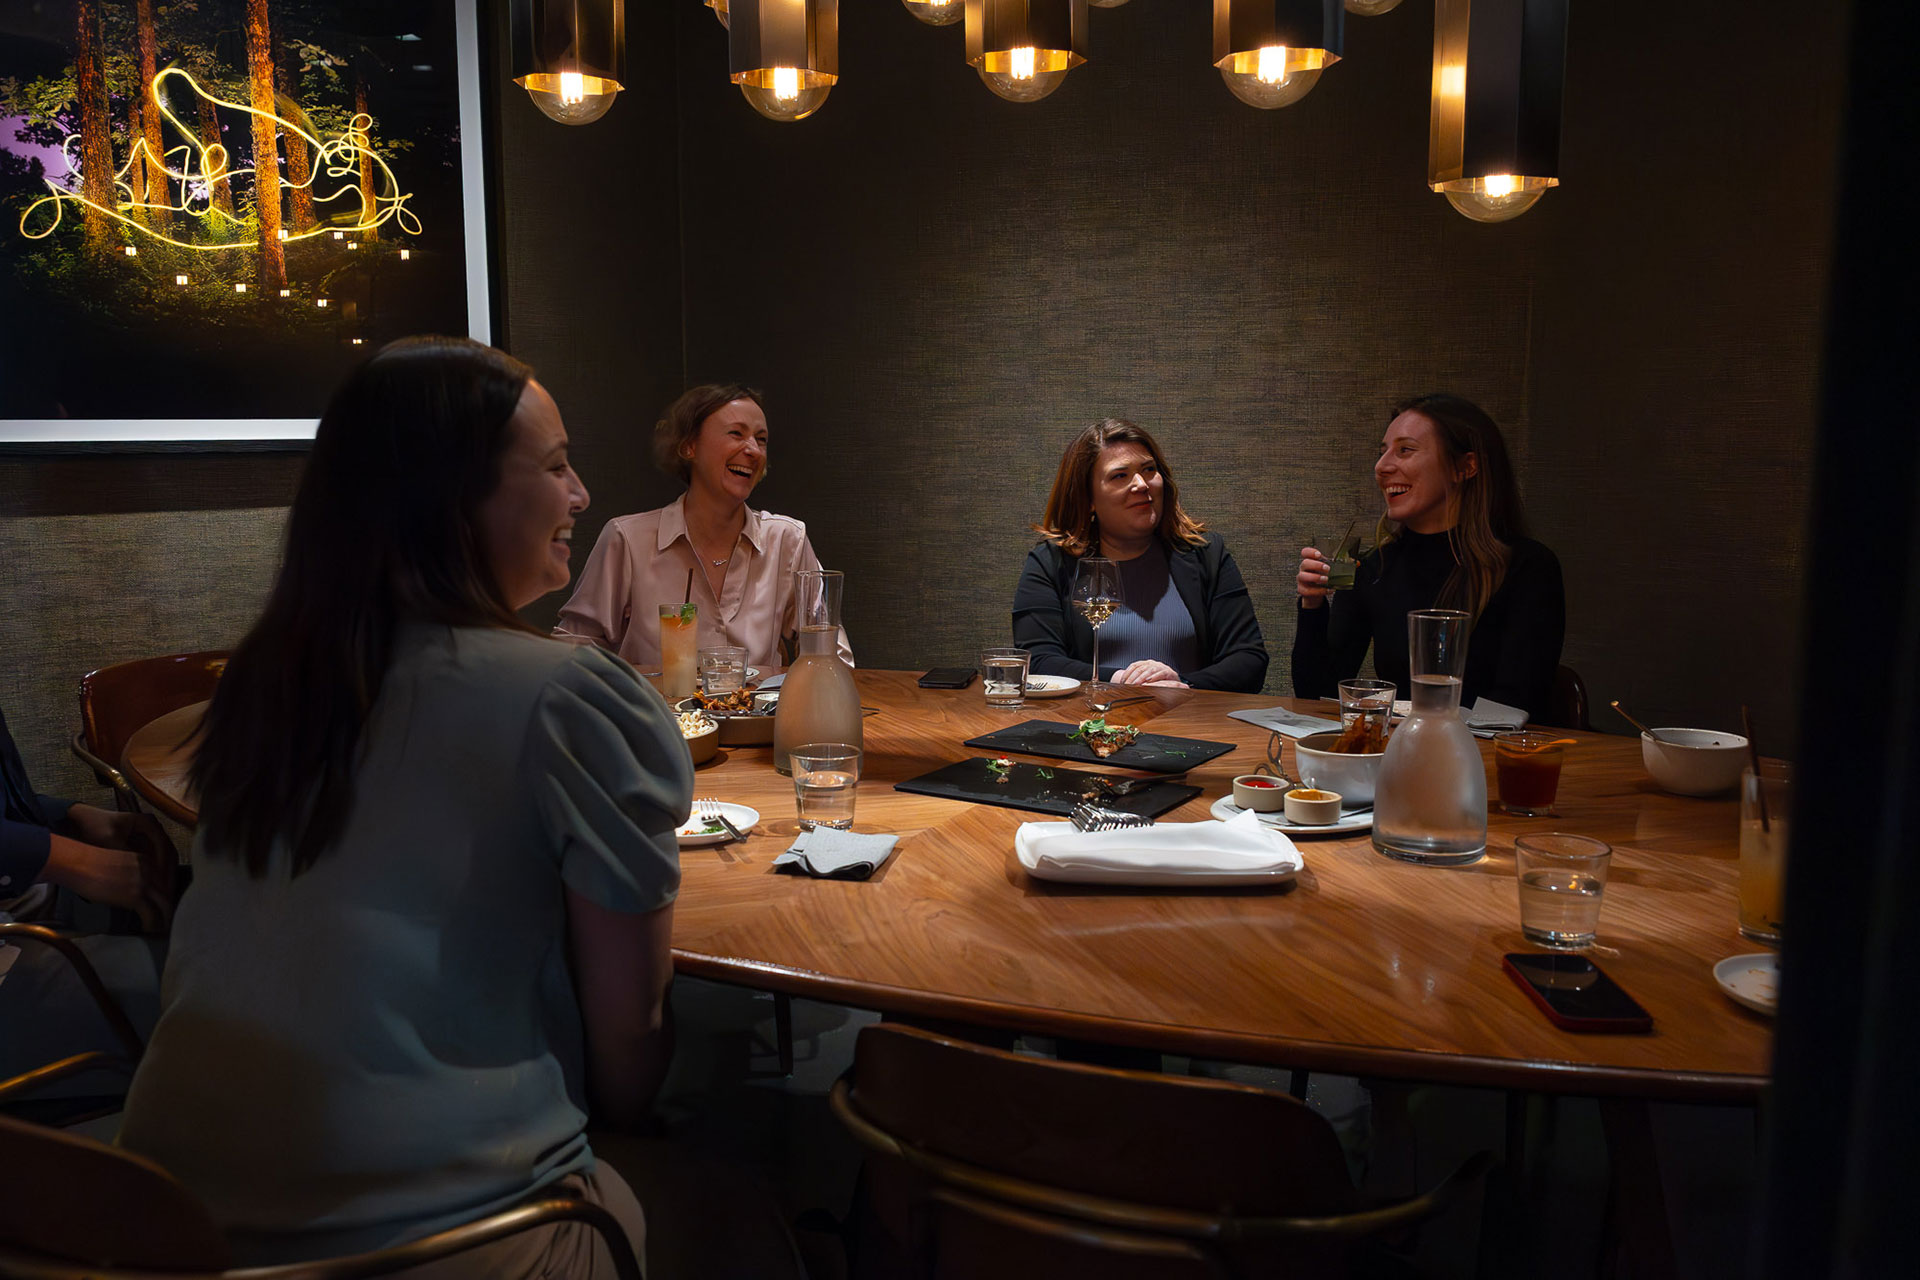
(1311, 582)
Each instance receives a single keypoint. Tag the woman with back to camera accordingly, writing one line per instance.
(1453, 537)
(436, 859)
(740, 562)
(1188, 621)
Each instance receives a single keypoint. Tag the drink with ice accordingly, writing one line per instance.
(1763, 849)
(679, 642)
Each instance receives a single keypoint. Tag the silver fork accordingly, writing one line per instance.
(710, 810)
(1091, 817)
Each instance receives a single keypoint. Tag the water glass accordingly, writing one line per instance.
(1366, 707)
(825, 776)
(1005, 672)
(1526, 769)
(723, 670)
(1766, 819)
(1561, 878)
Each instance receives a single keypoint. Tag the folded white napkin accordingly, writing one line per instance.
(833, 854)
(1242, 850)
(1280, 720)
(1487, 717)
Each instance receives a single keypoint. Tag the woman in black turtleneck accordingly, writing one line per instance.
(1453, 537)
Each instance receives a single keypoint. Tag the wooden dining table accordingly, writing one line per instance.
(1362, 964)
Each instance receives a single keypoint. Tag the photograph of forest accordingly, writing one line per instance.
(210, 209)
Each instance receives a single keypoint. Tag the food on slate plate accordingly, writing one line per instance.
(694, 723)
(737, 703)
(1104, 738)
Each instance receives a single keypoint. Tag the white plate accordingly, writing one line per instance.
(1753, 981)
(1225, 808)
(1051, 686)
(695, 834)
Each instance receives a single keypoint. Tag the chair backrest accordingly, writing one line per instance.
(76, 1200)
(1567, 706)
(1155, 1142)
(117, 700)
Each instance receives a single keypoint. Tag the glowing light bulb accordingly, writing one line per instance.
(1273, 65)
(406, 254)
(319, 302)
(179, 279)
(1498, 184)
(571, 97)
(573, 88)
(1026, 74)
(132, 252)
(1496, 197)
(1453, 81)
(286, 293)
(786, 83)
(240, 288)
(785, 94)
(937, 13)
(1022, 68)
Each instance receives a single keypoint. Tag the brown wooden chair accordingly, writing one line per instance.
(76, 1209)
(996, 1164)
(117, 700)
(16, 1093)
(1567, 706)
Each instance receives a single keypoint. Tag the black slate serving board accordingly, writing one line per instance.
(1042, 788)
(1154, 752)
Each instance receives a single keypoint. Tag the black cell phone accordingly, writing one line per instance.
(947, 678)
(1575, 993)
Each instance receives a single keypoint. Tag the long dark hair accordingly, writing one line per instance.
(382, 532)
(1487, 515)
(1069, 523)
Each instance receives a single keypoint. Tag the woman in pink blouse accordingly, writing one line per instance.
(714, 439)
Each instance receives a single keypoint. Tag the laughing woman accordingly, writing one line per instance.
(713, 439)
(1455, 538)
(1188, 621)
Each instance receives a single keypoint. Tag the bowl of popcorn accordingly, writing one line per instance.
(702, 733)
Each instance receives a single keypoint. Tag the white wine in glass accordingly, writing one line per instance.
(1096, 594)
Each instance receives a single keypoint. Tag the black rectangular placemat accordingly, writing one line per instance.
(1155, 752)
(1042, 788)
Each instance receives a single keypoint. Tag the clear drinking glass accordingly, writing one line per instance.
(723, 670)
(679, 639)
(825, 776)
(1097, 593)
(1004, 673)
(1561, 879)
(1766, 821)
(1343, 558)
(1366, 709)
(1430, 803)
(1526, 770)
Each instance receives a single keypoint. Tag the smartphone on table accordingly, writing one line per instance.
(947, 678)
(1575, 993)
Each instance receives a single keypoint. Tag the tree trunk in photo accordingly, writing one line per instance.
(137, 170)
(266, 150)
(299, 159)
(96, 138)
(369, 206)
(218, 189)
(154, 155)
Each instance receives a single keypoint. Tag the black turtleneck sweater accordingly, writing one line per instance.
(1511, 652)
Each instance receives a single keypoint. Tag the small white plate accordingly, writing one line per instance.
(1051, 686)
(695, 833)
(1753, 981)
(1224, 808)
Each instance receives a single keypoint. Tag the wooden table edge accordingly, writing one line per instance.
(1530, 1075)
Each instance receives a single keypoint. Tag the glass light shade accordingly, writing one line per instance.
(1371, 8)
(1275, 76)
(1497, 197)
(570, 97)
(937, 13)
(719, 8)
(1026, 75)
(785, 93)
(1106, 4)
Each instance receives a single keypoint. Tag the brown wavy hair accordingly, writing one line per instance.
(1069, 522)
(383, 531)
(683, 418)
(1485, 507)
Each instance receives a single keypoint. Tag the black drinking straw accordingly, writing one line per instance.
(689, 599)
(1753, 758)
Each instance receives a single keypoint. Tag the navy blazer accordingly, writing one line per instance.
(26, 821)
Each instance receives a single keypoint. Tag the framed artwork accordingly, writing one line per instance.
(210, 210)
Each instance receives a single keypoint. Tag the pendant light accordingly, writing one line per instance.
(1106, 4)
(937, 13)
(1271, 52)
(1365, 8)
(1498, 69)
(1023, 49)
(785, 54)
(570, 55)
(719, 8)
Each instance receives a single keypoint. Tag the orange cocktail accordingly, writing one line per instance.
(679, 645)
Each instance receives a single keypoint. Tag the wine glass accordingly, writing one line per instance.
(1096, 594)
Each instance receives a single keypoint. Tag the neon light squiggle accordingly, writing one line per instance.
(197, 166)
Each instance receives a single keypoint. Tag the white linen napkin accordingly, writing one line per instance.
(1280, 720)
(1242, 850)
(1487, 717)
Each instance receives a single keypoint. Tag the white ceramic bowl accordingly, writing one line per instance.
(1694, 762)
(1258, 792)
(1352, 776)
(1312, 808)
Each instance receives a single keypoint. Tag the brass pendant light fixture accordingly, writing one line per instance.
(1023, 49)
(1494, 137)
(1367, 8)
(1271, 52)
(937, 13)
(719, 8)
(785, 54)
(570, 55)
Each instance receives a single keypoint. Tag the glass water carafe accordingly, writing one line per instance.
(1430, 802)
(818, 699)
